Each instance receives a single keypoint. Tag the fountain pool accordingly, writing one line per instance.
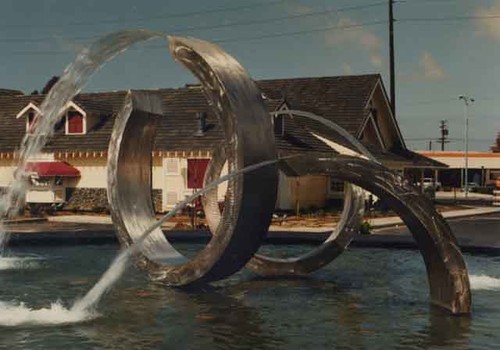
(372, 298)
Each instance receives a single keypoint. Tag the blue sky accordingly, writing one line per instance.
(436, 60)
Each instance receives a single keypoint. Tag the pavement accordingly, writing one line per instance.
(458, 197)
(461, 195)
(375, 222)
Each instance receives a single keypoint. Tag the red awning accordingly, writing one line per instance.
(52, 169)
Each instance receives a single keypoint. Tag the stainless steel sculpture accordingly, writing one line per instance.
(248, 140)
(250, 198)
(339, 239)
(446, 269)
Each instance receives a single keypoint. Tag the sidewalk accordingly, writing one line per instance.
(376, 222)
(454, 214)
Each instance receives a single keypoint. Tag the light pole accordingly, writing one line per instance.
(467, 101)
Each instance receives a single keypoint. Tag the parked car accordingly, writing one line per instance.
(428, 182)
(472, 186)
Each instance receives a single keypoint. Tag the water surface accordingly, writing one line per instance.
(368, 298)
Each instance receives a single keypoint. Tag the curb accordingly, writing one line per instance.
(24, 221)
(451, 217)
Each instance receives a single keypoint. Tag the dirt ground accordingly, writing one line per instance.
(318, 218)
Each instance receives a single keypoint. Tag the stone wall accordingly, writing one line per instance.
(95, 199)
(157, 200)
(86, 199)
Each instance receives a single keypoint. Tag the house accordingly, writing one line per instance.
(189, 132)
(483, 168)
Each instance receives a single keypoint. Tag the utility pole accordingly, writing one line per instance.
(467, 101)
(391, 57)
(443, 125)
(430, 145)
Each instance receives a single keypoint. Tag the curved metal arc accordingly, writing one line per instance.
(249, 141)
(336, 243)
(333, 126)
(446, 269)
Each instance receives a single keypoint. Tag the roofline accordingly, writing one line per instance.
(386, 98)
(375, 126)
(29, 106)
(459, 154)
(321, 77)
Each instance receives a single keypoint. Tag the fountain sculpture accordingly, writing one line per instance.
(238, 231)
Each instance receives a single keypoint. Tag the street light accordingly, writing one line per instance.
(467, 101)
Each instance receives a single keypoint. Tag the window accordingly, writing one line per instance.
(30, 114)
(336, 186)
(172, 166)
(279, 125)
(196, 172)
(30, 125)
(58, 181)
(75, 123)
(171, 198)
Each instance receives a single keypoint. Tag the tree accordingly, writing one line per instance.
(49, 85)
(496, 147)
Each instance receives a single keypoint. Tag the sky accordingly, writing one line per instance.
(444, 49)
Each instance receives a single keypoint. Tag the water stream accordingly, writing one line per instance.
(75, 76)
(85, 308)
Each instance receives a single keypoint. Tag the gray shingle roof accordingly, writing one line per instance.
(341, 99)
(10, 92)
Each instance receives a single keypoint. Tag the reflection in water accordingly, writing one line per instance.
(368, 299)
(169, 317)
(224, 318)
(442, 331)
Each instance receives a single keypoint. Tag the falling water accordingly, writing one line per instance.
(90, 300)
(484, 282)
(73, 79)
(84, 309)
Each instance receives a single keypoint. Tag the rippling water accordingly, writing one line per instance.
(368, 298)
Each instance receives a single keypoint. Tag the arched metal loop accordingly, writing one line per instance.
(248, 140)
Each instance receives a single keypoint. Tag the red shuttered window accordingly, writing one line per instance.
(75, 123)
(196, 172)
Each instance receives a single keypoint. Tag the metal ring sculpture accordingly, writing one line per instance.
(333, 246)
(250, 198)
(446, 270)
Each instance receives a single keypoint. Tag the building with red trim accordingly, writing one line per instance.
(483, 167)
(184, 146)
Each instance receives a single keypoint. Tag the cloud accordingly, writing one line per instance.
(489, 28)
(357, 37)
(347, 68)
(376, 60)
(428, 69)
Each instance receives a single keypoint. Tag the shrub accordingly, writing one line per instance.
(366, 228)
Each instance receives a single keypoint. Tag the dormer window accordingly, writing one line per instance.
(75, 120)
(31, 113)
(30, 123)
(279, 120)
(74, 123)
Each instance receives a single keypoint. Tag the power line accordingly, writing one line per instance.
(139, 19)
(300, 32)
(236, 39)
(225, 25)
(447, 19)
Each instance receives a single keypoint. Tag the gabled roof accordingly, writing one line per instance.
(9, 92)
(340, 99)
